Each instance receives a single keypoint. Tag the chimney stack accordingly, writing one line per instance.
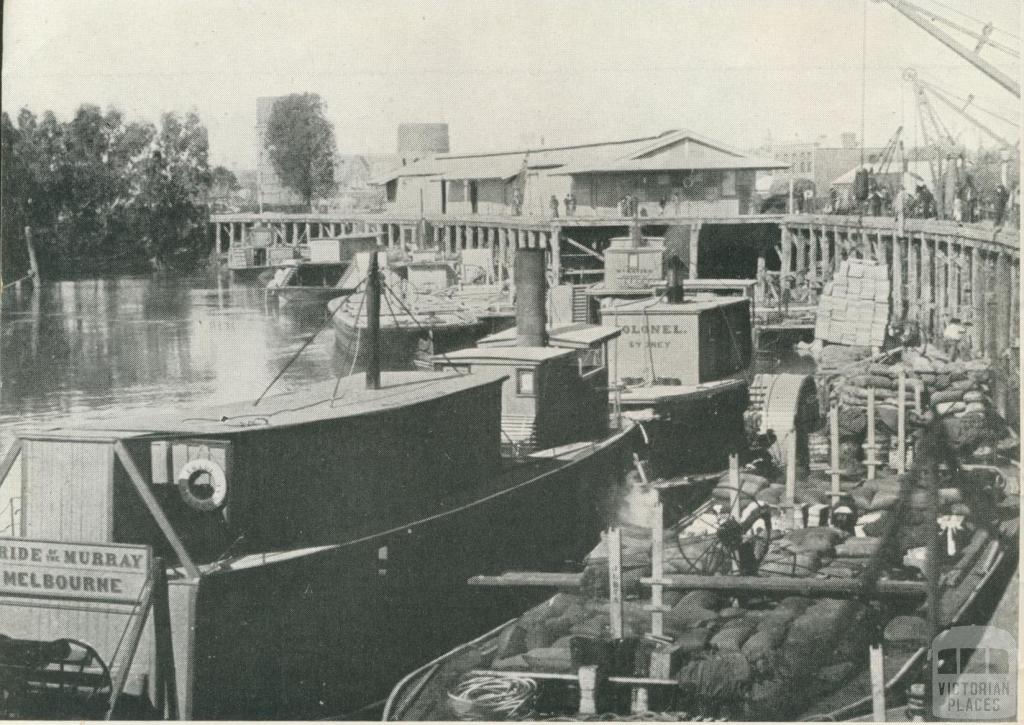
(531, 297)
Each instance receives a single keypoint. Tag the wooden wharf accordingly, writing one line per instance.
(939, 269)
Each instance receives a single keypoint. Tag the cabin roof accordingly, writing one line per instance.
(504, 354)
(573, 335)
(690, 305)
(316, 403)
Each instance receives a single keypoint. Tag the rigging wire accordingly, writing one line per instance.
(971, 17)
(863, 79)
(307, 343)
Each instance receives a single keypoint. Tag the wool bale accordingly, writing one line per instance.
(549, 659)
(795, 603)
(820, 539)
(907, 630)
(945, 397)
(511, 642)
(764, 641)
(883, 502)
(836, 674)
(750, 484)
(692, 641)
(691, 616)
(974, 396)
(729, 614)
(975, 408)
(732, 637)
(701, 599)
(858, 547)
(517, 663)
(768, 700)
(718, 676)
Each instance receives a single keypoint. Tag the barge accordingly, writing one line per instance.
(291, 559)
(738, 611)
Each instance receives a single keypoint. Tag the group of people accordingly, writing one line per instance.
(963, 201)
(569, 205)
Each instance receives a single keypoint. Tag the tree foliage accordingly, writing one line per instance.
(101, 189)
(300, 141)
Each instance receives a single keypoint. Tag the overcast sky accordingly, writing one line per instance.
(497, 72)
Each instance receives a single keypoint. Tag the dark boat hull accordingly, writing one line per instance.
(329, 633)
(402, 347)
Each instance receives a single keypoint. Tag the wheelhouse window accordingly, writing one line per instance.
(591, 361)
(525, 383)
(632, 261)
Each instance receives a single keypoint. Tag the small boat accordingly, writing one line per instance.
(738, 612)
(297, 283)
(293, 557)
(432, 306)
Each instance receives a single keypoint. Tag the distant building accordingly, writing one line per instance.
(674, 173)
(820, 163)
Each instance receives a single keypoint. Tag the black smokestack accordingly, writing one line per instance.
(531, 297)
(675, 273)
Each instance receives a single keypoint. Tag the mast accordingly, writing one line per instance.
(373, 323)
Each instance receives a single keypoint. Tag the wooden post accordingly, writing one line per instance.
(978, 300)
(897, 279)
(913, 302)
(926, 287)
(801, 252)
(694, 250)
(992, 305)
(734, 486)
(657, 571)
(941, 272)
(812, 264)
(787, 251)
(834, 472)
(613, 541)
(791, 468)
(167, 684)
(826, 254)
(901, 424)
(1002, 306)
(216, 234)
(556, 254)
(33, 263)
(587, 676)
(1014, 302)
(956, 284)
(877, 666)
(449, 243)
(872, 448)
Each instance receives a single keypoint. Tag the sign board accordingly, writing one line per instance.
(85, 572)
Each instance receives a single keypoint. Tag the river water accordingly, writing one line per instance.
(86, 349)
(79, 351)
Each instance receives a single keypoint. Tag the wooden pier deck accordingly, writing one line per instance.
(939, 269)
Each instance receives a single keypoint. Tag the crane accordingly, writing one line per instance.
(927, 20)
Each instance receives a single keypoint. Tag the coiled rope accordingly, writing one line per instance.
(509, 697)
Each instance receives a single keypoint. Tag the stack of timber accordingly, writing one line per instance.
(742, 610)
(854, 308)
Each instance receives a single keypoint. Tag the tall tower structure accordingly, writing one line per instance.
(417, 140)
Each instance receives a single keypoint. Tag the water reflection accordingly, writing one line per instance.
(79, 349)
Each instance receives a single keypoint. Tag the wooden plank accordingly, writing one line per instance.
(834, 472)
(657, 570)
(1014, 302)
(901, 423)
(941, 272)
(529, 579)
(1002, 305)
(9, 458)
(790, 585)
(801, 251)
(154, 508)
(872, 447)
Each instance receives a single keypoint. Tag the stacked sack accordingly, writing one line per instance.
(958, 391)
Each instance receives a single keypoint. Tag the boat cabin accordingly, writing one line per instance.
(553, 395)
(630, 266)
(699, 340)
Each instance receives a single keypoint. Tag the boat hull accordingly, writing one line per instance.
(329, 633)
(405, 347)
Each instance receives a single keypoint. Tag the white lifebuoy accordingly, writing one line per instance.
(218, 482)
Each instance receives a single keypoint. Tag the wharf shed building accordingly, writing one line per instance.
(674, 174)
